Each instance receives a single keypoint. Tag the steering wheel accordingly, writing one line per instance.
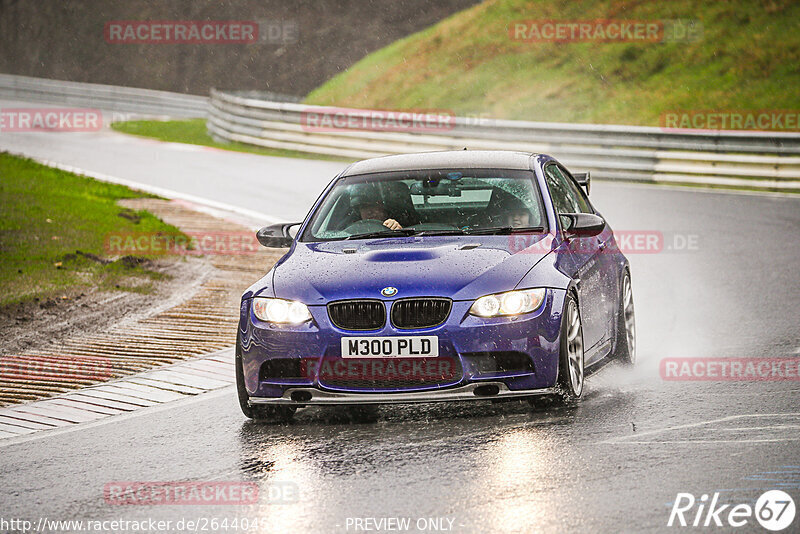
(477, 220)
(365, 226)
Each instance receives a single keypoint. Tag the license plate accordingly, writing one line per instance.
(390, 347)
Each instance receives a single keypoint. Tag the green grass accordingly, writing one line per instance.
(748, 59)
(193, 131)
(47, 216)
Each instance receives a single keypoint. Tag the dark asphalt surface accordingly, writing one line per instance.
(613, 463)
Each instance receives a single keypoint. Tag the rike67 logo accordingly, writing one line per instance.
(774, 510)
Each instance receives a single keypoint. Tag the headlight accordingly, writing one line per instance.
(510, 303)
(280, 310)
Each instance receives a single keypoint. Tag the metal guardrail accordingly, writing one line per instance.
(738, 158)
(728, 158)
(104, 97)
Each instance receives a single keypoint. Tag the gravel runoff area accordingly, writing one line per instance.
(52, 347)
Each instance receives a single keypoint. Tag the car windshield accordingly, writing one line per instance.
(429, 202)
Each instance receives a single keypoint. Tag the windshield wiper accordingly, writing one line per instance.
(455, 231)
(496, 230)
(505, 230)
(383, 233)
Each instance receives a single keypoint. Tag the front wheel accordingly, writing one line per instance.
(258, 413)
(569, 385)
(626, 325)
(570, 371)
(241, 390)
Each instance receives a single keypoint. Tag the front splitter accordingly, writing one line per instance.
(461, 393)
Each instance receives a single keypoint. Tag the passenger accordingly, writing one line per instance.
(519, 218)
(517, 213)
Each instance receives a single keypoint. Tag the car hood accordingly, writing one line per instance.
(459, 268)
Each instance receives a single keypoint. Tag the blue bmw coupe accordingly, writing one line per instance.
(442, 276)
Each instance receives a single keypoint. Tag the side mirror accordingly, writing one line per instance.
(582, 224)
(584, 180)
(276, 235)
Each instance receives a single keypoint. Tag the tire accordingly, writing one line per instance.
(571, 377)
(625, 350)
(241, 391)
(257, 413)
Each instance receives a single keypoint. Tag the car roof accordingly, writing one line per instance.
(449, 159)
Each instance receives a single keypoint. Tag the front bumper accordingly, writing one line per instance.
(473, 391)
(461, 337)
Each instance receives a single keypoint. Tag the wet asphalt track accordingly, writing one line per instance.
(613, 463)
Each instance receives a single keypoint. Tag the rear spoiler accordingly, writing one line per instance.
(584, 179)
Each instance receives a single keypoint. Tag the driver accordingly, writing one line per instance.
(369, 206)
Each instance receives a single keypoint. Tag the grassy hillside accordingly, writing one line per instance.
(748, 58)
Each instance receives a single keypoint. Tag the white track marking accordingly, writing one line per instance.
(80, 415)
(222, 392)
(211, 207)
(631, 437)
